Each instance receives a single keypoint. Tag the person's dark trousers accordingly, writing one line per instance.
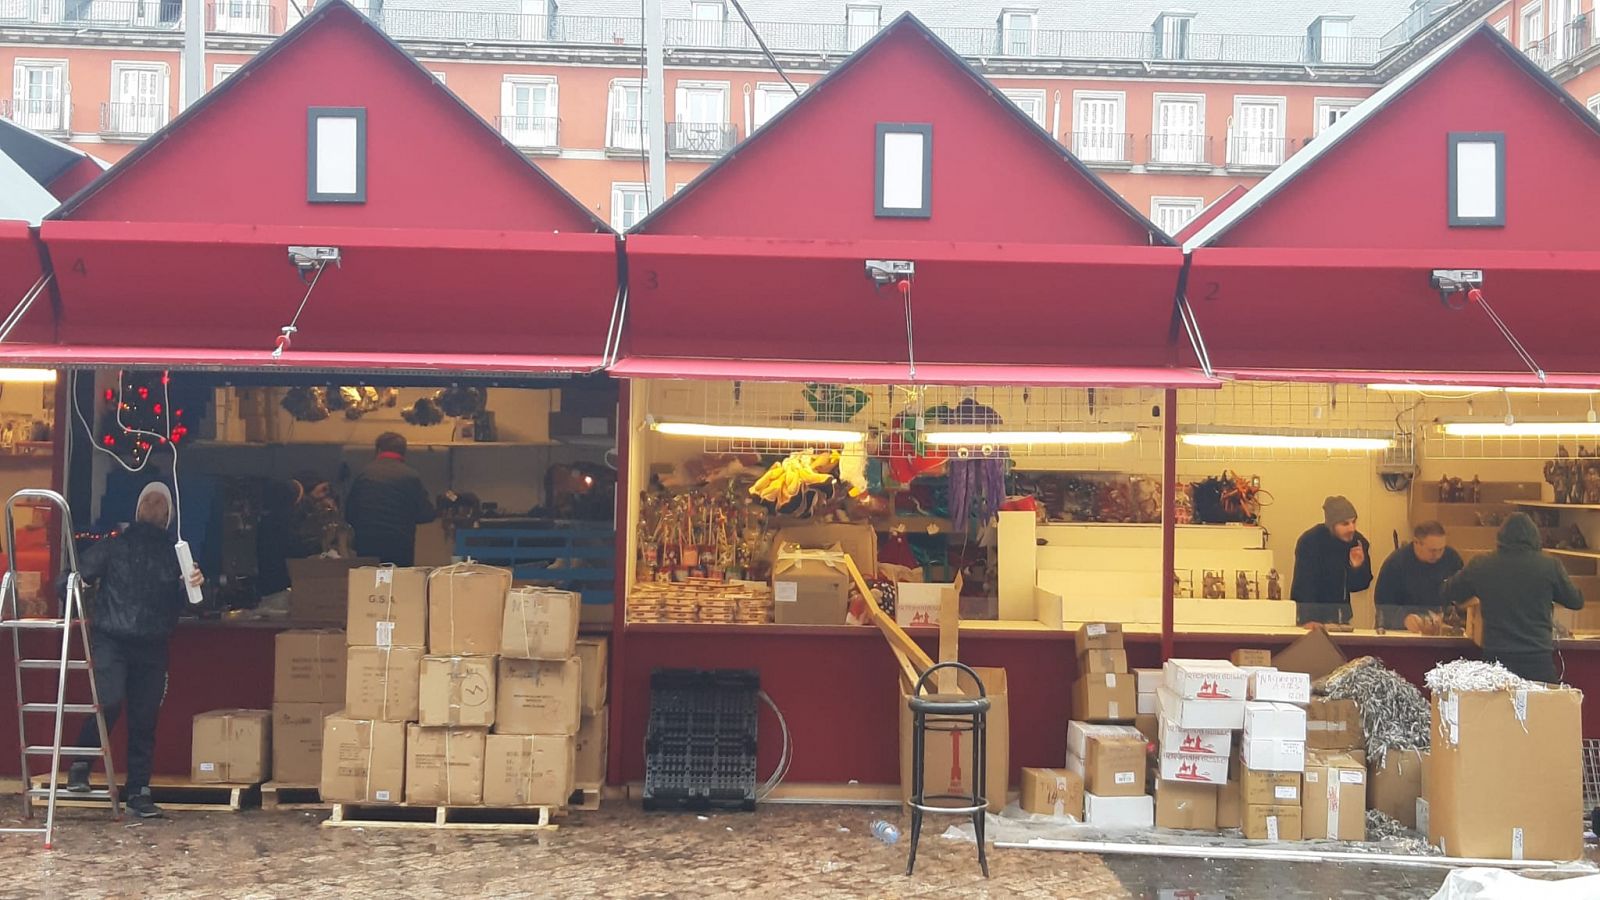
(1534, 665)
(131, 673)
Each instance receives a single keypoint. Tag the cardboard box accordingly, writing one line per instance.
(297, 741)
(382, 683)
(589, 748)
(1274, 721)
(1119, 812)
(1098, 636)
(1148, 680)
(1230, 805)
(444, 766)
(946, 772)
(1266, 788)
(1200, 713)
(1272, 823)
(308, 666)
(1198, 741)
(1100, 662)
(363, 761)
(1191, 807)
(1149, 726)
(1148, 705)
(538, 697)
(1113, 765)
(811, 587)
(319, 585)
(1335, 800)
(1193, 768)
(456, 690)
(1334, 725)
(528, 770)
(232, 746)
(1052, 792)
(1507, 774)
(1270, 685)
(466, 609)
(1079, 732)
(1395, 784)
(1313, 653)
(387, 607)
(859, 541)
(1251, 657)
(540, 623)
(592, 653)
(1205, 679)
(1105, 698)
(919, 603)
(1273, 754)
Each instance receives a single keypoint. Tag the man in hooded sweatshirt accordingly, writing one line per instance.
(1516, 586)
(1331, 562)
(135, 609)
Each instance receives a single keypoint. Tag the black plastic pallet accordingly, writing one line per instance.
(700, 747)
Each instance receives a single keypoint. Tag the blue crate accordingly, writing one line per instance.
(571, 556)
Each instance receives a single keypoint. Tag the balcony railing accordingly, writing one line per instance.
(700, 139)
(131, 120)
(1104, 148)
(466, 25)
(531, 132)
(1180, 150)
(246, 17)
(1572, 40)
(147, 14)
(1422, 15)
(627, 135)
(44, 116)
(1256, 151)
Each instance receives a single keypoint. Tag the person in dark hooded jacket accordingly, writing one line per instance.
(1516, 586)
(134, 611)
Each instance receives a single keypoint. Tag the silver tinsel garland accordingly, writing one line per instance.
(1474, 675)
(1393, 711)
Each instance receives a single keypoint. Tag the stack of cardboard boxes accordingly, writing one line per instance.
(1200, 702)
(1264, 790)
(1106, 755)
(594, 728)
(461, 691)
(1105, 689)
(307, 686)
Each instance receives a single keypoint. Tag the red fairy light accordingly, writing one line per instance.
(156, 409)
(109, 440)
(144, 392)
(110, 395)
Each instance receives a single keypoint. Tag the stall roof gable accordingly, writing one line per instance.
(809, 173)
(1379, 178)
(240, 154)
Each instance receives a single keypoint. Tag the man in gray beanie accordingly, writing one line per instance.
(1331, 561)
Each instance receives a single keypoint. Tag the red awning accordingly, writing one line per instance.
(1417, 379)
(899, 373)
(60, 356)
(444, 298)
(21, 268)
(1029, 305)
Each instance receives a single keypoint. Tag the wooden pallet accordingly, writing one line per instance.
(287, 795)
(462, 818)
(585, 799)
(170, 793)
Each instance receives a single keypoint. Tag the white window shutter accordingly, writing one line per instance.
(552, 106)
(19, 87)
(508, 98)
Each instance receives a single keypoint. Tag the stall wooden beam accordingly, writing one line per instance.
(897, 638)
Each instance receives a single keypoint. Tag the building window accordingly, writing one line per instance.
(1172, 213)
(625, 116)
(336, 170)
(1594, 105)
(1180, 127)
(222, 72)
(1477, 179)
(1172, 35)
(39, 98)
(706, 23)
(1099, 130)
(1030, 102)
(1330, 39)
(242, 17)
(861, 23)
(1532, 25)
(1017, 29)
(1504, 27)
(700, 127)
(628, 204)
(138, 105)
(771, 99)
(904, 181)
(528, 110)
(441, 77)
(1331, 110)
(1257, 138)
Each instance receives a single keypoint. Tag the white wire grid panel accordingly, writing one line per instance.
(1572, 419)
(1295, 410)
(893, 416)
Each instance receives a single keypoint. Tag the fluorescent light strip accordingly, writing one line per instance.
(1472, 389)
(1522, 429)
(1285, 442)
(758, 433)
(1019, 438)
(28, 376)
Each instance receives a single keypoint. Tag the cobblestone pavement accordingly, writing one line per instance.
(621, 851)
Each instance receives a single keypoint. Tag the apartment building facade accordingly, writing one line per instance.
(1173, 103)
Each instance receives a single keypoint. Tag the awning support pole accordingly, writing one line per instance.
(1191, 326)
(15, 318)
(1476, 295)
(1169, 514)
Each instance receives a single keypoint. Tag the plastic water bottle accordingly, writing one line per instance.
(886, 832)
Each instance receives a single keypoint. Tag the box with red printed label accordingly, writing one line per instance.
(1200, 713)
(1194, 768)
(1205, 679)
(1201, 741)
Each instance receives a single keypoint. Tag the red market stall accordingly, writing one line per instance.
(943, 244)
(332, 211)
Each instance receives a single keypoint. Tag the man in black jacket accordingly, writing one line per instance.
(387, 503)
(1331, 562)
(1413, 576)
(1515, 586)
(135, 609)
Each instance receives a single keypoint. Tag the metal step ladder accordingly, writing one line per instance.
(73, 619)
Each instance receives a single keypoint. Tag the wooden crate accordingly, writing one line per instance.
(448, 818)
(171, 794)
(287, 795)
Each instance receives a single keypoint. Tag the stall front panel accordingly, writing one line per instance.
(22, 275)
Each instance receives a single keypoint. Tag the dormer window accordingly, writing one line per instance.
(1172, 34)
(1328, 39)
(1017, 30)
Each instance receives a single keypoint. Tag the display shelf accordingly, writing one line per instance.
(975, 628)
(432, 445)
(1546, 504)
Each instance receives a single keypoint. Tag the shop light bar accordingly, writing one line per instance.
(28, 376)
(758, 433)
(1522, 429)
(1023, 438)
(1264, 441)
(1472, 389)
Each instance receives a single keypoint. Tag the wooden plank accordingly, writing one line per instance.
(277, 795)
(170, 793)
(442, 818)
(945, 681)
(586, 798)
(891, 630)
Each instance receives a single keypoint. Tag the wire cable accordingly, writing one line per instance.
(739, 8)
(787, 757)
(644, 138)
(1476, 295)
(290, 329)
